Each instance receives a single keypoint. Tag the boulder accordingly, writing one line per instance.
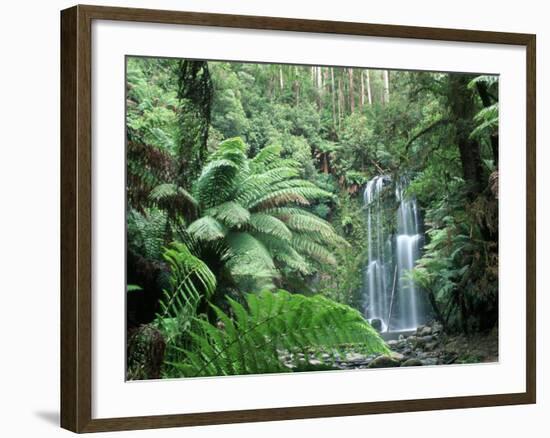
(397, 356)
(355, 357)
(416, 342)
(412, 362)
(384, 362)
(427, 330)
(376, 324)
(430, 346)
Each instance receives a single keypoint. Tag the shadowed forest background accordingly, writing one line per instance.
(256, 195)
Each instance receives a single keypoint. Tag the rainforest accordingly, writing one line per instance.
(289, 218)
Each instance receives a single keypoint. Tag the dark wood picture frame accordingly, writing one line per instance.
(76, 218)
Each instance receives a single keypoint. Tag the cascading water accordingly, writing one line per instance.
(391, 296)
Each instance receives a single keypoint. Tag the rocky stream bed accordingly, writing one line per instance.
(428, 345)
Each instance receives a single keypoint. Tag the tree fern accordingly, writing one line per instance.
(274, 333)
(252, 208)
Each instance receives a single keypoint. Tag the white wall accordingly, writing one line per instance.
(29, 215)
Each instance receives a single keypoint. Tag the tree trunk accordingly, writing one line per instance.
(333, 93)
(281, 80)
(463, 111)
(486, 100)
(195, 93)
(386, 77)
(369, 90)
(351, 96)
(340, 101)
(362, 88)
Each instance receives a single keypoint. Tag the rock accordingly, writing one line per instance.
(384, 362)
(413, 362)
(429, 361)
(393, 343)
(419, 329)
(416, 342)
(426, 331)
(315, 362)
(376, 324)
(397, 356)
(449, 358)
(430, 346)
(427, 338)
(401, 338)
(355, 357)
(452, 346)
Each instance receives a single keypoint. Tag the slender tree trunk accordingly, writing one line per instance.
(281, 80)
(351, 96)
(341, 108)
(362, 88)
(369, 90)
(386, 76)
(325, 163)
(333, 93)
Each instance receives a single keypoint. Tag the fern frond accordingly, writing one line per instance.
(190, 280)
(284, 253)
(312, 249)
(207, 228)
(267, 224)
(231, 213)
(171, 197)
(273, 330)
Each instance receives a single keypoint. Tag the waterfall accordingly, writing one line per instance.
(390, 294)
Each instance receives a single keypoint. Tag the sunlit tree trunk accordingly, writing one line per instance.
(333, 93)
(369, 90)
(281, 80)
(341, 108)
(386, 77)
(351, 96)
(362, 88)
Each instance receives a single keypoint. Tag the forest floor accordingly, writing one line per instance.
(427, 346)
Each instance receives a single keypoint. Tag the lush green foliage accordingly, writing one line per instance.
(249, 177)
(275, 332)
(249, 216)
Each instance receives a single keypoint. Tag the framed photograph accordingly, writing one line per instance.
(270, 218)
